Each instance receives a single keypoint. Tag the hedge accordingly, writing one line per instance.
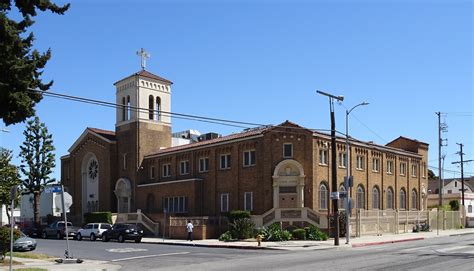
(98, 217)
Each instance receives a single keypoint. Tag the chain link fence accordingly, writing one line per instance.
(378, 222)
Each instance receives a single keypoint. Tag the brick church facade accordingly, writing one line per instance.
(267, 170)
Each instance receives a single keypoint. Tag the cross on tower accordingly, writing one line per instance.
(143, 55)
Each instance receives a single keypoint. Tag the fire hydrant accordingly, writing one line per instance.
(259, 239)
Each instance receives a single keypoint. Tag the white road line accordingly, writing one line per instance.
(416, 248)
(452, 248)
(149, 256)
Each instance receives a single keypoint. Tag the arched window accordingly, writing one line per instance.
(151, 112)
(360, 197)
(129, 108)
(389, 198)
(341, 201)
(403, 199)
(124, 110)
(323, 196)
(375, 198)
(413, 199)
(158, 108)
(150, 203)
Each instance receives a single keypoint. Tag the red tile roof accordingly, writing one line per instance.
(110, 135)
(148, 75)
(244, 134)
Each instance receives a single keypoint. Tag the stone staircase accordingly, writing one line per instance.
(139, 218)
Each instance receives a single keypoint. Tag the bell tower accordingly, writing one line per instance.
(143, 122)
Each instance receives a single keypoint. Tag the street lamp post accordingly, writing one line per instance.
(348, 173)
(335, 190)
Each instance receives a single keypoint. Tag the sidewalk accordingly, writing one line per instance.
(311, 245)
(52, 265)
(251, 244)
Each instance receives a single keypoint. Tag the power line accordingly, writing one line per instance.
(226, 122)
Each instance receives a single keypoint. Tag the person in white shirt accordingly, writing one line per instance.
(189, 229)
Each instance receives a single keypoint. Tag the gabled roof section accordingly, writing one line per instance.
(407, 144)
(110, 135)
(292, 125)
(244, 134)
(146, 74)
(106, 135)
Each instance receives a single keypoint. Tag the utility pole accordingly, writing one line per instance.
(461, 154)
(442, 127)
(335, 190)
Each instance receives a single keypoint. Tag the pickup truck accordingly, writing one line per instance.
(58, 230)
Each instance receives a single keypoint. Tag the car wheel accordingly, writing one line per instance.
(93, 237)
(105, 238)
(138, 240)
(59, 236)
(44, 235)
(120, 238)
(78, 237)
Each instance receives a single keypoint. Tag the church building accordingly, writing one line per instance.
(279, 173)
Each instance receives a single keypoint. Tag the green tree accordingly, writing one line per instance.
(431, 175)
(20, 65)
(9, 177)
(37, 158)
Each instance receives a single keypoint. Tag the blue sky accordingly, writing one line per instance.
(262, 62)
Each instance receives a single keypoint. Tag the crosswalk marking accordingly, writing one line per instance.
(149, 256)
(452, 248)
(416, 248)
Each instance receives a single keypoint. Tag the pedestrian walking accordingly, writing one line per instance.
(189, 229)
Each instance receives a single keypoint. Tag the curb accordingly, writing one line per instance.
(210, 246)
(461, 234)
(387, 242)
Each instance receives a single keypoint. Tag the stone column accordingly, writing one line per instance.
(300, 196)
(276, 194)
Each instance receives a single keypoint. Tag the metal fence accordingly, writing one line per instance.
(378, 222)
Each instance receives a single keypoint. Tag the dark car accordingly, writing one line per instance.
(122, 232)
(24, 243)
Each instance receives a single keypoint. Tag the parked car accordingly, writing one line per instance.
(92, 231)
(24, 243)
(57, 229)
(122, 232)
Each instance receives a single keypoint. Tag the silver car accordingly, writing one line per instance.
(24, 243)
(92, 231)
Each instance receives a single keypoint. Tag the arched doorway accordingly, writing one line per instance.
(288, 185)
(90, 183)
(123, 193)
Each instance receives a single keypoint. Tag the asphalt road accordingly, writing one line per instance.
(444, 253)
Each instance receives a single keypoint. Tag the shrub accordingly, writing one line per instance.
(274, 233)
(313, 233)
(299, 234)
(225, 237)
(237, 214)
(98, 217)
(242, 228)
(5, 240)
(454, 205)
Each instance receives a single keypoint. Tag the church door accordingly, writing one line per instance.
(123, 193)
(288, 197)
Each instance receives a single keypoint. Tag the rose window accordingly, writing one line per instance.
(93, 169)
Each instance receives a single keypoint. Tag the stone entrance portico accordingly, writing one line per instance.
(288, 185)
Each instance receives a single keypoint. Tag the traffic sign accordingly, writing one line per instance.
(67, 201)
(52, 189)
(335, 195)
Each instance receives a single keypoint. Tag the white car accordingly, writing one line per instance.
(92, 231)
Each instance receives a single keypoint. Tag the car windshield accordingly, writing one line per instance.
(22, 234)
